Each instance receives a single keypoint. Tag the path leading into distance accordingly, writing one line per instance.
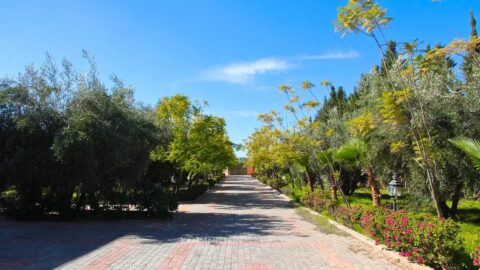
(242, 224)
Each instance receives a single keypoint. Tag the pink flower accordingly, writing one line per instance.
(419, 259)
(376, 242)
(476, 262)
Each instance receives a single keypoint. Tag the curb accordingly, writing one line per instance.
(402, 261)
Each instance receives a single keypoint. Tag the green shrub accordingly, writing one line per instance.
(9, 201)
(214, 180)
(319, 201)
(158, 203)
(286, 190)
(348, 216)
(264, 179)
(276, 183)
(192, 193)
(12, 205)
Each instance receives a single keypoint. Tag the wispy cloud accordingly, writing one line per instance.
(243, 72)
(330, 55)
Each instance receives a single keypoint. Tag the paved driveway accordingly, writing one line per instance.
(243, 224)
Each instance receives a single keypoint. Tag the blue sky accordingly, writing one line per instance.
(232, 53)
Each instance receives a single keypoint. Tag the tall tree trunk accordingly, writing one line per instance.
(310, 179)
(456, 198)
(291, 179)
(372, 182)
(320, 182)
(442, 208)
(333, 184)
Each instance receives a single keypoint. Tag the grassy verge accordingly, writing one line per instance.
(320, 222)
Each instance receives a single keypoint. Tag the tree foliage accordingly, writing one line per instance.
(399, 119)
(70, 145)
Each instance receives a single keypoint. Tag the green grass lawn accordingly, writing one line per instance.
(469, 221)
(468, 211)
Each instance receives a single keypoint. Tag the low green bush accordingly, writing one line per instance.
(263, 179)
(320, 201)
(193, 192)
(11, 205)
(158, 203)
(348, 216)
(276, 183)
(9, 201)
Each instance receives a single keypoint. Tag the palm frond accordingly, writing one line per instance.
(471, 147)
(353, 152)
(325, 157)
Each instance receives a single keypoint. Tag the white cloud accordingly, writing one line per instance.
(331, 55)
(245, 71)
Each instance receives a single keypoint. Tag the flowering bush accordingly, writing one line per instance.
(319, 201)
(348, 216)
(421, 238)
(476, 256)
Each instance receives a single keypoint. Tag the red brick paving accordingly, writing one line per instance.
(242, 224)
(117, 250)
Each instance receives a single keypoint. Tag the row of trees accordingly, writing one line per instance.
(68, 143)
(398, 119)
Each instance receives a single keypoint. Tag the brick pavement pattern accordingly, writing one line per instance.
(241, 224)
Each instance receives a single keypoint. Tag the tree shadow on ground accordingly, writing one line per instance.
(265, 199)
(47, 245)
(469, 215)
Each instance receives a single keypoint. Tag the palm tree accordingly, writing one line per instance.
(471, 147)
(355, 153)
(326, 159)
(303, 166)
